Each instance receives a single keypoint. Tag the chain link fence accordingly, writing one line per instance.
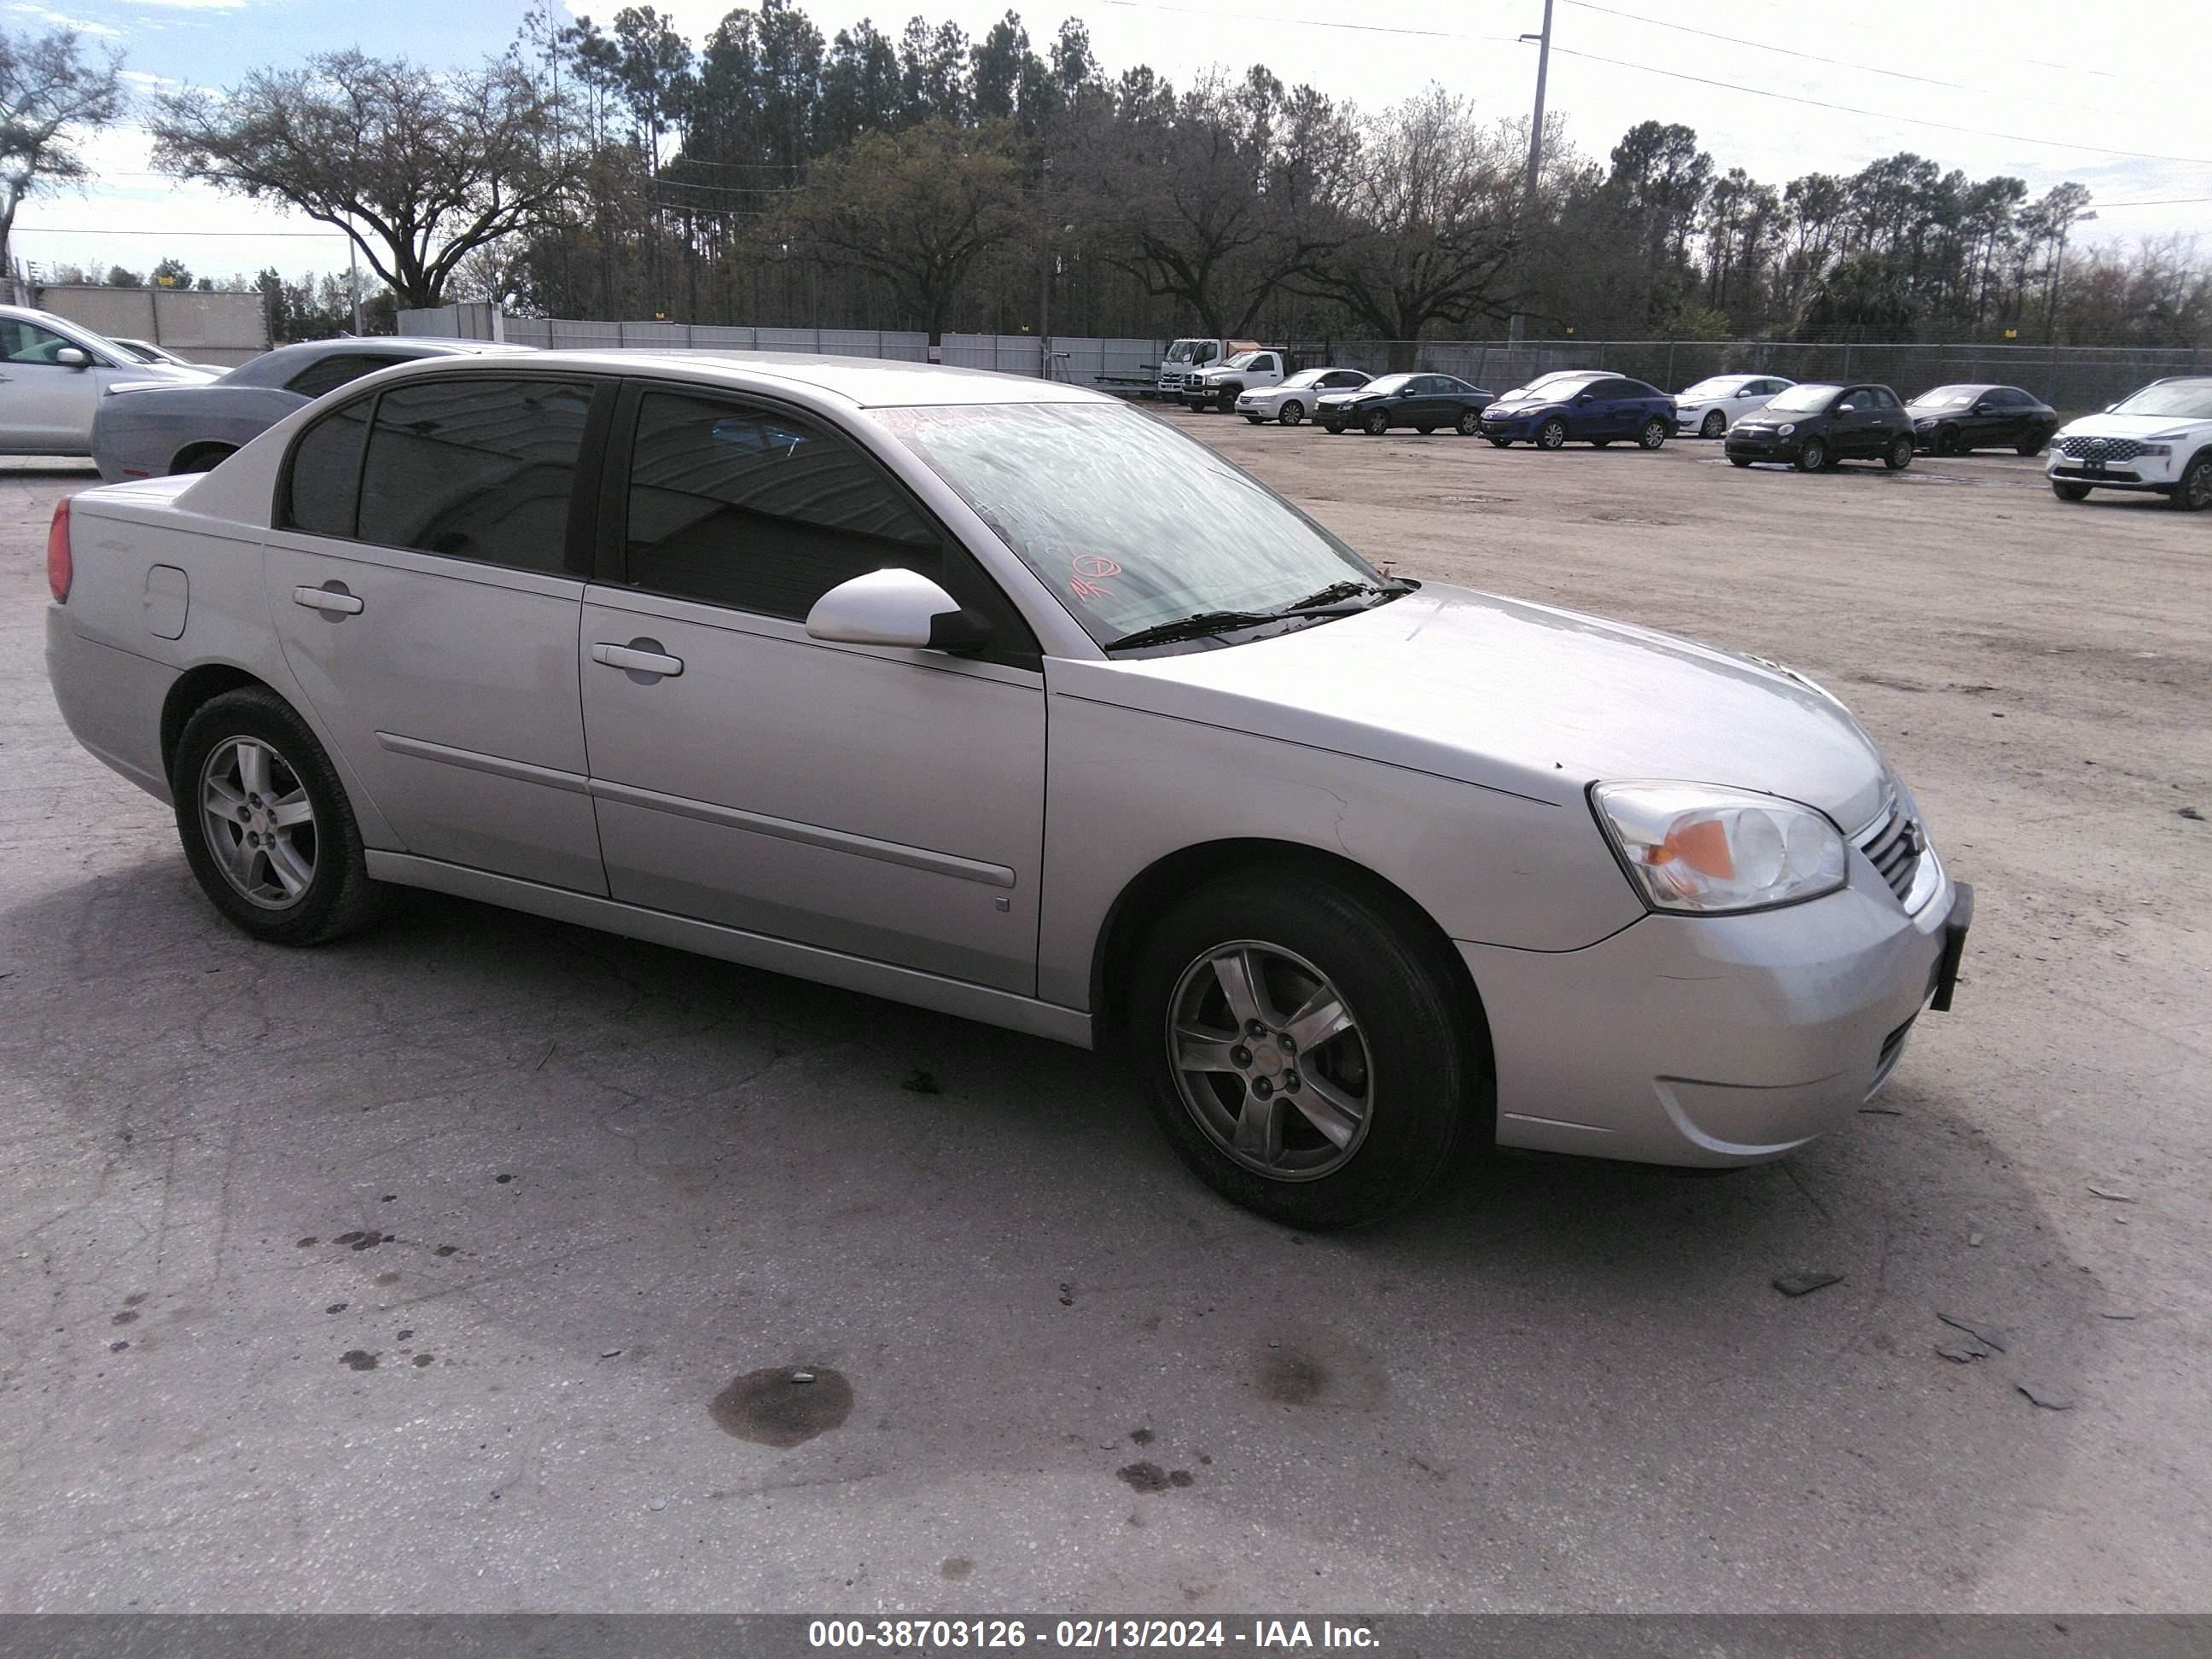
(2072, 378)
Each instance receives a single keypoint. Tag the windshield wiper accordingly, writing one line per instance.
(1336, 591)
(1196, 627)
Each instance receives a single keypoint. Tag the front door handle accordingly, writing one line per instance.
(332, 601)
(642, 659)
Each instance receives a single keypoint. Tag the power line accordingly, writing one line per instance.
(1760, 46)
(1882, 115)
(1304, 23)
(236, 235)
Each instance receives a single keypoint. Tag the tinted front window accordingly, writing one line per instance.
(329, 373)
(323, 484)
(766, 511)
(475, 469)
(1101, 502)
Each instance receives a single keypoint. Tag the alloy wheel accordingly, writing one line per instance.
(1269, 1061)
(1292, 412)
(1716, 425)
(258, 822)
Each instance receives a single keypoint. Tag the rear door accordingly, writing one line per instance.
(878, 802)
(425, 581)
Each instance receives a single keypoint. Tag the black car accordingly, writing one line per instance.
(1816, 425)
(1957, 420)
(1424, 402)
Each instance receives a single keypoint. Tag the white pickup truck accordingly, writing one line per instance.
(1218, 387)
(1185, 359)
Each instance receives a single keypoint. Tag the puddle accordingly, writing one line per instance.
(768, 1408)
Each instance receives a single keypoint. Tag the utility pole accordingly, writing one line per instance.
(1536, 122)
(1543, 40)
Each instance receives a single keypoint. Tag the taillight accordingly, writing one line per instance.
(60, 568)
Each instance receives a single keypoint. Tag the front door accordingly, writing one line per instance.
(430, 616)
(46, 405)
(881, 803)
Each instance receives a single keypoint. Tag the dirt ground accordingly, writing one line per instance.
(427, 1272)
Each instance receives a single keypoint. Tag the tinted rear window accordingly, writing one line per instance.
(323, 484)
(475, 469)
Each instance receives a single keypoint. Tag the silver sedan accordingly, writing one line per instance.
(150, 429)
(917, 681)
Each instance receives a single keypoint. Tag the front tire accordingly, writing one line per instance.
(1303, 1049)
(1377, 424)
(1812, 455)
(1739, 460)
(1552, 434)
(1501, 443)
(1334, 428)
(1255, 419)
(1715, 425)
(265, 824)
(1654, 433)
(1899, 455)
(2194, 493)
(1946, 441)
(1292, 412)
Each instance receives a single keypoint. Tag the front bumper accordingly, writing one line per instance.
(1513, 426)
(1763, 446)
(1716, 1040)
(2156, 473)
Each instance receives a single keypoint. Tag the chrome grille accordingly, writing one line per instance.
(1893, 844)
(2100, 449)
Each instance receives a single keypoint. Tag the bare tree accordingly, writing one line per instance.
(51, 96)
(1434, 203)
(418, 169)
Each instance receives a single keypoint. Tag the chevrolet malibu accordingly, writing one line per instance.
(911, 681)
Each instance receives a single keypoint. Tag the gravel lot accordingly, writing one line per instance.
(415, 1274)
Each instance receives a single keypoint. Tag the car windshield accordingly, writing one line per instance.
(1182, 351)
(1944, 396)
(1804, 399)
(144, 353)
(1553, 386)
(1243, 360)
(1726, 386)
(1128, 521)
(2186, 400)
(1388, 383)
(1306, 377)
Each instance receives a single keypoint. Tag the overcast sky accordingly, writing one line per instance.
(2039, 88)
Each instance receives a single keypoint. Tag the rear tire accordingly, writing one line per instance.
(1899, 455)
(1654, 433)
(1292, 412)
(265, 824)
(2069, 492)
(2035, 449)
(1469, 424)
(1333, 1130)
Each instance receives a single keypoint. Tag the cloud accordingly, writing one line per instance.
(63, 21)
(197, 5)
(142, 78)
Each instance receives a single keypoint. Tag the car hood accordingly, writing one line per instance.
(2133, 426)
(1351, 395)
(1524, 698)
(1524, 406)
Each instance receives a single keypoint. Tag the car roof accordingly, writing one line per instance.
(858, 382)
(281, 363)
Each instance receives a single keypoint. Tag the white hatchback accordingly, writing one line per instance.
(1709, 408)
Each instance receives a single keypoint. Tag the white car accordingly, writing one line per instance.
(2158, 442)
(1709, 408)
(53, 375)
(1293, 401)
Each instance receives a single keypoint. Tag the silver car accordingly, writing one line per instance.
(911, 680)
(152, 428)
(54, 376)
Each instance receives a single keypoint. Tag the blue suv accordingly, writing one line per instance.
(1585, 405)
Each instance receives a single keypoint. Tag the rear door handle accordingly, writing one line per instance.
(332, 601)
(639, 658)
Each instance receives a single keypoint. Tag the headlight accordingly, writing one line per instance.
(1786, 429)
(1696, 847)
(2158, 449)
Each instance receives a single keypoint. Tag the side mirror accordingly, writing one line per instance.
(72, 358)
(1586, 396)
(1984, 409)
(895, 607)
